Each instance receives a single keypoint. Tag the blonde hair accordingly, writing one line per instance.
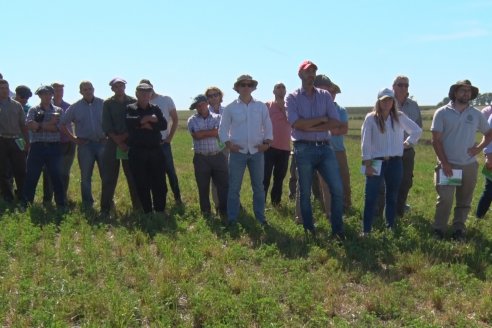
(378, 116)
(214, 89)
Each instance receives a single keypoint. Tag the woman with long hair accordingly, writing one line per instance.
(382, 144)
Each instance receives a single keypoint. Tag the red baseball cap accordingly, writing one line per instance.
(306, 64)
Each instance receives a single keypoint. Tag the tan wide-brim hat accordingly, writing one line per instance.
(462, 83)
(244, 78)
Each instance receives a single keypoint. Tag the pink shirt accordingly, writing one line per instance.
(281, 127)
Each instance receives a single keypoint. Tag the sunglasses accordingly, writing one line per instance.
(249, 85)
(402, 85)
(213, 95)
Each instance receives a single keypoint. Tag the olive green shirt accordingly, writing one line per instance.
(114, 115)
(12, 118)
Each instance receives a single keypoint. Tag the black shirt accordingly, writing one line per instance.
(144, 138)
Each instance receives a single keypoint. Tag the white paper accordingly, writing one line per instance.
(375, 164)
(454, 180)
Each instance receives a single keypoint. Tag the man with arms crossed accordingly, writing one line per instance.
(312, 113)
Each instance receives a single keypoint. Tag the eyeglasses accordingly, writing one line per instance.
(213, 95)
(249, 85)
(402, 85)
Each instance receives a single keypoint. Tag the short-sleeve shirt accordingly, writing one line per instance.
(166, 105)
(337, 141)
(43, 136)
(198, 123)
(458, 131)
(87, 118)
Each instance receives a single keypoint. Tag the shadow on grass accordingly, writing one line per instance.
(289, 246)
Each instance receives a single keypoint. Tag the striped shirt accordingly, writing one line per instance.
(43, 136)
(390, 143)
(199, 123)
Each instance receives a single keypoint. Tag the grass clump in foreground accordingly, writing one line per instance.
(70, 269)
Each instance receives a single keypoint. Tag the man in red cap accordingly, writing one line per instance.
(312, 113)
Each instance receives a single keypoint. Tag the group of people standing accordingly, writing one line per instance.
(247, 133)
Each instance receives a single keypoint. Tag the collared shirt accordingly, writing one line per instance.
(43, 136)
(212, 110)
(246, 125)
(87, 118)
(12, 118)
(412, 110)
(166, 105)
(280, 125)
(486, 111)
(64, 106)
(140, 137)
(197, 123)
(114, 114)
(337, 141)
(301, 106)
(390, 143)
(458, 131)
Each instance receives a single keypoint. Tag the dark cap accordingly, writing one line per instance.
(116, 80)
(462, 83)
(322, 80)
(198, 99)
(144, 87)
(23, 91)
(146, 81)
(45, 89)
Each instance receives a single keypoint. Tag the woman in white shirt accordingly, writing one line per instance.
(382, 149)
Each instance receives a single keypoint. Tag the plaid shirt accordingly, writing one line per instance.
(43, 136)
(198, 123)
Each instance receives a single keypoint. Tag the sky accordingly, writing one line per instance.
(185, 46)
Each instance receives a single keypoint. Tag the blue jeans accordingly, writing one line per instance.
(41, 154)
(322, 158)
(237, 166)
(485, 200)
(392, 173)
(88, 154)
(171, 171)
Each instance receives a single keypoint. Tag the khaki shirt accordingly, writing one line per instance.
(12, 118)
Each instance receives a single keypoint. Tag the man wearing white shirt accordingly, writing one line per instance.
(168, 109)
(246, 130)
(454, 128)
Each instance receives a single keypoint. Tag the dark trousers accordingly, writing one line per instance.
(407, 180)
(146, 167)
(110, 178)
(215, 168)
(276, 162)
(12, 161)
(67, 150)
(171, 171)
(485, 199)
(44, 154)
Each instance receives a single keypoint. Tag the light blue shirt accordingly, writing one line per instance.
(87, 118)
(337, 141)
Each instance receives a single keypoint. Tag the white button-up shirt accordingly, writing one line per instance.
(246, 125)
(390, 143)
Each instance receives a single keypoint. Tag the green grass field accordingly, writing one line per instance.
(69, 270)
